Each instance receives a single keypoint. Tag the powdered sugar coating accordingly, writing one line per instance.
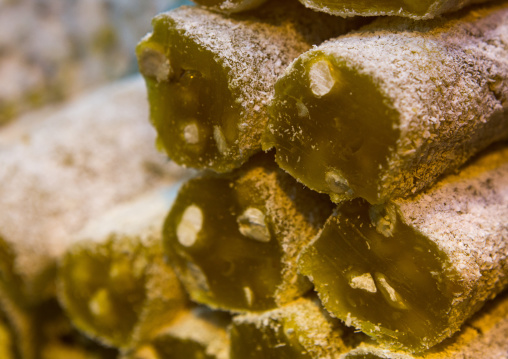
(446, 79)
(318, 334)
(62, 167)
(253, 50)
(296, 215)
(466, 217)
(141, 217)
(147, 284)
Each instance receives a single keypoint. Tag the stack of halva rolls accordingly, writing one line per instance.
(346, 197)
(51, 51)
(362, 157)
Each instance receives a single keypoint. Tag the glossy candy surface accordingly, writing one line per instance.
(210, 76)
(385, 286)
(483, 336)
(233, 239)
(348, 122)
(410, 272)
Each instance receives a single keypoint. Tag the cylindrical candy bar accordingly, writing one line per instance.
(415, 9)
(210, 76)
(197, 333)
(410, 272)
(105, 289)
(230, 6)
(484, 336)
(383, 112)
(60, 168)
(300, 329)
(233, 239)
(116, 287)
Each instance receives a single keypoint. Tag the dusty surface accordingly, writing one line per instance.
(61, 167)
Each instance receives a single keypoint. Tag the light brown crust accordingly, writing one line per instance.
(254, 51)
(466, 217)
(62, 167)
(447, 81)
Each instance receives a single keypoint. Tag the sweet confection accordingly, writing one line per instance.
(210, 76)
(68, 162)
(54, 50)
(233, 239)
(375, 226)
(484, 336)
(300, 329)
(411, 271)
(114, 283)
(384, 111)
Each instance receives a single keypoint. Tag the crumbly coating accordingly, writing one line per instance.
(141, 220)
(446, 79)
(141, 217)
(466, 217)
(165, 297)
(254, 51)
(317, 332)
(62, 167)
(297, 214)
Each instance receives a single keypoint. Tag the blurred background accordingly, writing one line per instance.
(51, 50)
(65, 113)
